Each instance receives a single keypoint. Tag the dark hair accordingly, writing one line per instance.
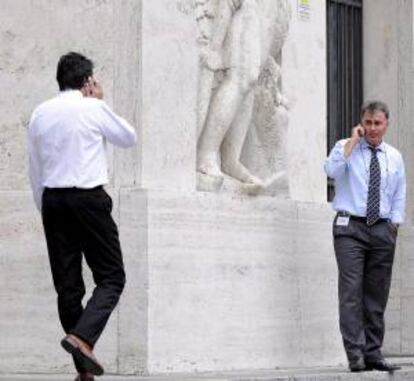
(73, 70)
(372, 106)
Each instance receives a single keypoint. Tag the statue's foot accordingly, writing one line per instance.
(209, 170)
(209, 176)
(208, 165)
(239, 172)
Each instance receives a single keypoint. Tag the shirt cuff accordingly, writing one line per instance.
(397, 218)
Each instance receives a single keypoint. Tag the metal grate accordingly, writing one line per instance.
(344, 56)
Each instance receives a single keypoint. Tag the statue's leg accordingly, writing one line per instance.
(223, 108)
(234, 140)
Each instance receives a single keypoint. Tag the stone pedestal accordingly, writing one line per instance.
(218, 282)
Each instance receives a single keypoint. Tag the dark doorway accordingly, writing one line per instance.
(344, 66)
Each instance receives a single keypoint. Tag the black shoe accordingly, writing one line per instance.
(357, 365)
(381, 365)
(85, 377)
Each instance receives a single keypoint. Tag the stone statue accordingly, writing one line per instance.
(239, 39)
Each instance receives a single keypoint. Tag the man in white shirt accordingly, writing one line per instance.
(370, 188)
(67, 166)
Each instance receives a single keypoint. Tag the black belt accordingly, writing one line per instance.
(361, 219)
(364, 219)
(72, 189)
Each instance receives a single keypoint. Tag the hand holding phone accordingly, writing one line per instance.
(357, 132)
(92, 88)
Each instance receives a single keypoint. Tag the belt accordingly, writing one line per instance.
(361, 219)
(72, 189)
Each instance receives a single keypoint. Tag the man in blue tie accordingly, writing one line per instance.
(370, 203)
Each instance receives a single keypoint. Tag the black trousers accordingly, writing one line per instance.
(365, 256)
(78, 222)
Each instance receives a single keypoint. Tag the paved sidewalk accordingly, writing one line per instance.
(313, 374)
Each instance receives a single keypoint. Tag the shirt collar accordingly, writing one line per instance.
(364, 145)
(70, 93)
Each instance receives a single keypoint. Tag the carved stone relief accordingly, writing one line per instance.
(242, 113)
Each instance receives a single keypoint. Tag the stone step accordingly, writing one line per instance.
(305, 374)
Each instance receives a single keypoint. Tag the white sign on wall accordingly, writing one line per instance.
(304, 9)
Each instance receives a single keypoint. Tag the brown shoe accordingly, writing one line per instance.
(83, 353)
(85, 377)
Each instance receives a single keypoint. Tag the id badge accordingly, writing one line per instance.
(342, 221)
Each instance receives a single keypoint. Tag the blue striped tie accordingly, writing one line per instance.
(373, 202)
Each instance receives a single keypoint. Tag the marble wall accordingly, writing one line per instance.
(304, 79)
(33, 35)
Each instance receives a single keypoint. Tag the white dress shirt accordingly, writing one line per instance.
(351, 177)
(67, 142)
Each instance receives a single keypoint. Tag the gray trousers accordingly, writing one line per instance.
(364, 255)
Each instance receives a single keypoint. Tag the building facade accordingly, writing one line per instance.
(223, 272)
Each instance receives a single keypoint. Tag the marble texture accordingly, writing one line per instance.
(247, 294)
(304, 83)
(169, 69)
(126, 164)
(133, 310)
(33, 35)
